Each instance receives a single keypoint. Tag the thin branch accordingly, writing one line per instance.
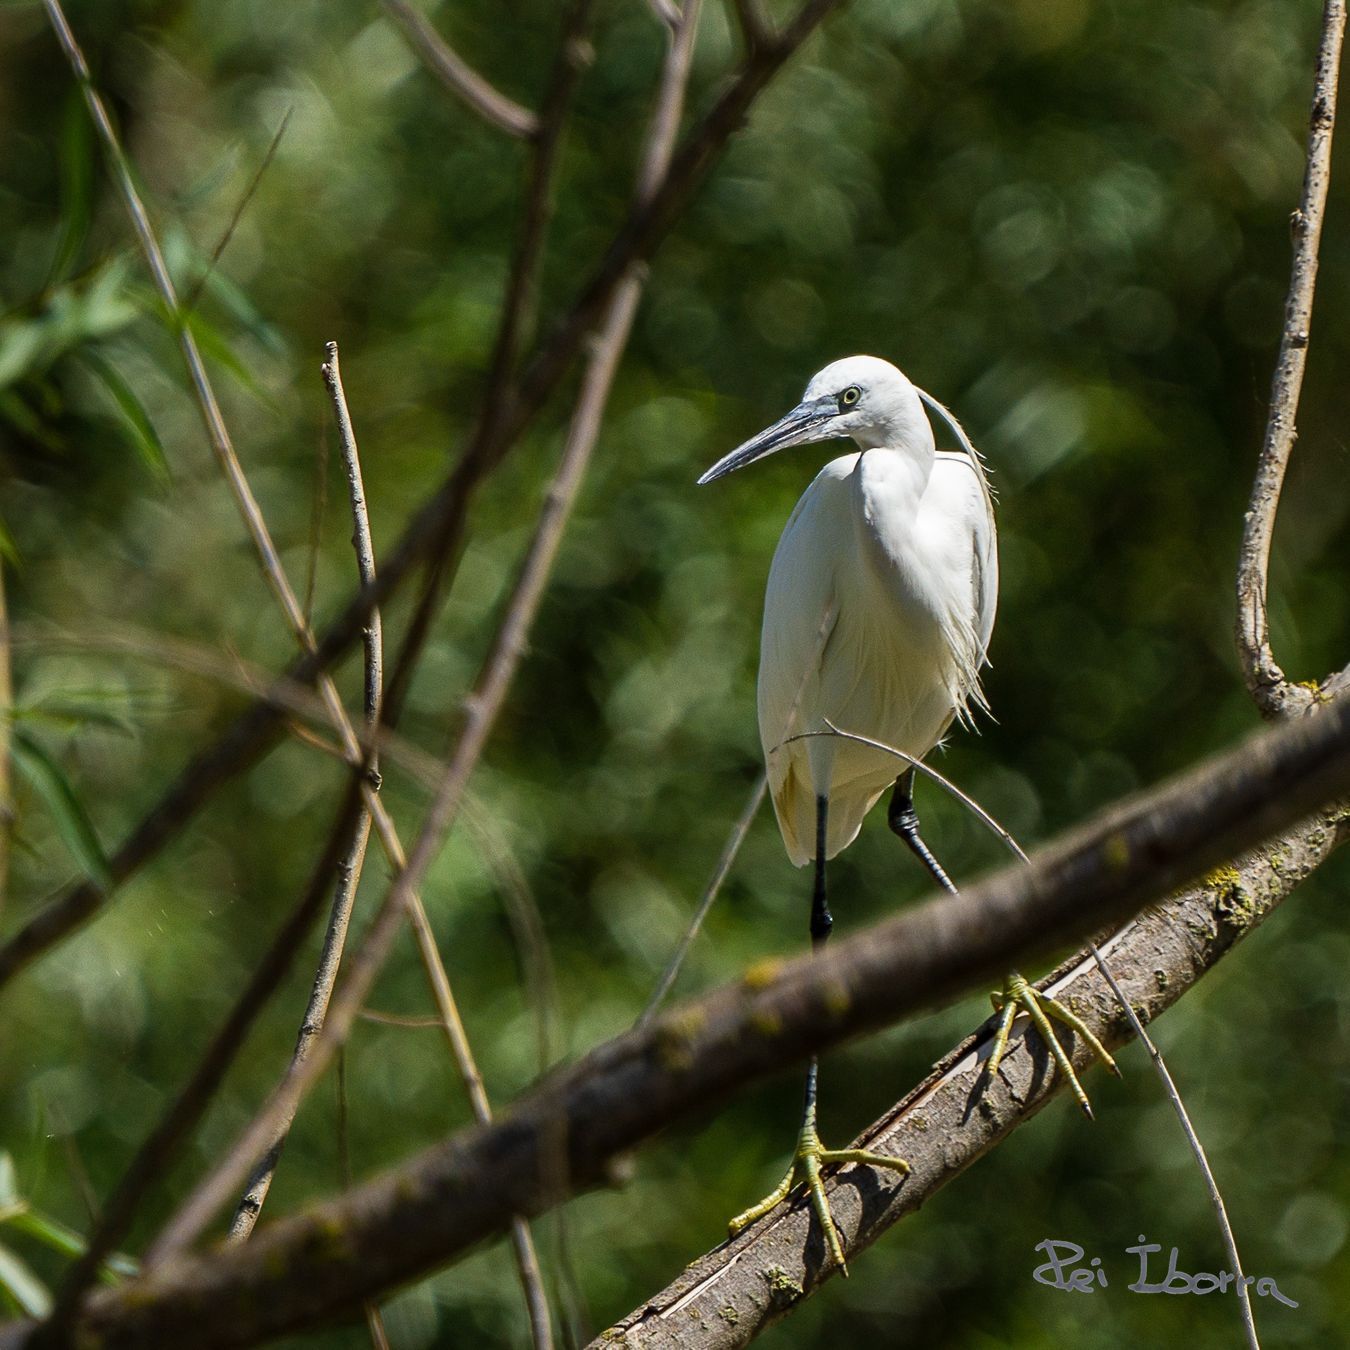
(458, 76)
(756, 30)
(397, 1226)
(6, 733)
(481, 711)
(1273, 692)
(195, 294)
(527, 931)
(203, 392)
(729, 851)
(374, 1321)
(354, 856)
(650, 219)
(1136, 1026)
(349, 878)
(1197, 1149)
(227, 669)
(666, 12)
(408, 1023)
(318, 509)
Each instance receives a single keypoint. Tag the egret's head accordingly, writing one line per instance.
(860, 396)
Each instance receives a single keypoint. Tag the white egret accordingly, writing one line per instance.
(877, 619)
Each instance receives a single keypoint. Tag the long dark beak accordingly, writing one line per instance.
(805, 423)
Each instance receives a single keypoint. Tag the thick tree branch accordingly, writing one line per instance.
(727, 1297)
(458, 76)
(438, 525)
(562, 1135)
(1273, 692)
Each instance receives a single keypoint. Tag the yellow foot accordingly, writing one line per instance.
(809, 1158)
(1017, 993)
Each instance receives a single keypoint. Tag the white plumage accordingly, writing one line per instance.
(877, 619)
(880, 601)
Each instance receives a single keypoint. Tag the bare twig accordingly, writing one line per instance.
(527, 930)
(667, 11)
(237, 215)
(227, 669)
(204, 394)
(1275, 695)
(574, 55)
(408, 1023)
(1197, 1148)
(729, 851)
(379, 1338)
(354, 856)
(458, 76)
(481, 709)
(509, 643)
(1159, 1064)
(318, 509)
(6, 732)
(398, 1225)
(374, 1321)
(650, 219)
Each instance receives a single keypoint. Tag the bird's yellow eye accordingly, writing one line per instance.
(850, 396)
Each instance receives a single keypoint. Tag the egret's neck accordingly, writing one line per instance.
(905, 461)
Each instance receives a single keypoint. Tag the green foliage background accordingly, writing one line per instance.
(1067, 220)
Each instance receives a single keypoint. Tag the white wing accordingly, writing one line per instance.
(887, 644)
(800, 610)
(959, 487)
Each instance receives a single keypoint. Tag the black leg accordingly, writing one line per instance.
(821, 919)
(904, 820)
(810, 1155)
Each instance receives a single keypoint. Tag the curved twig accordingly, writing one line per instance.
(1275, 695)
(458, 76)
(728, 856)
(1136, 1026)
